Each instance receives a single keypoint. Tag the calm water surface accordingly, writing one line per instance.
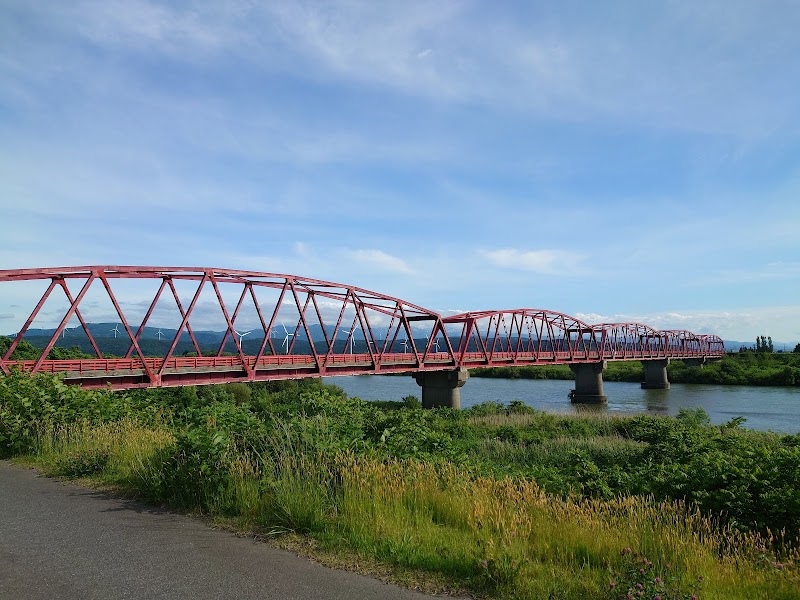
(765, 408)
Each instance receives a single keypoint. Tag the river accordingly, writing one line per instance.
(765, 408)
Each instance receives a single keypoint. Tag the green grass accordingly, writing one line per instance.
(503, 537)
(500, 500)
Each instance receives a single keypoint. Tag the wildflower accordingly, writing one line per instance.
(657, 597)
(693, 597)
(626, 551)
(658, 580)
(641, 571)
(612, 585)
(485, 563)
(639, 586)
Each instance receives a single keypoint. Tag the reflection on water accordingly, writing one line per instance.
(765, 408)
(656, 401)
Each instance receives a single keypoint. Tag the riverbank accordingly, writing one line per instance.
(502, 500)
(742, 368)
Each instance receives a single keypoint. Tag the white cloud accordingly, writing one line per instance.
(780, 322)
(149, 26)
(548, 262)
(379, 259)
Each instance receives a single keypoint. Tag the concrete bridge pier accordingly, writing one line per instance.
(588, 383)
(655, 374)
(442, 388)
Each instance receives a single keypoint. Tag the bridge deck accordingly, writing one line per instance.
(130, 372)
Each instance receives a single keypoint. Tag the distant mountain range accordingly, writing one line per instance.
(101, 330)
(155, 341)
(732, 346)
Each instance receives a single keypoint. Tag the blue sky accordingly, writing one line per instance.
(614, 161)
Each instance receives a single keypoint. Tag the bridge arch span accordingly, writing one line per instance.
(520, 336)
(280, 326)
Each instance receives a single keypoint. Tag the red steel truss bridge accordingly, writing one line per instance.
(177, 326)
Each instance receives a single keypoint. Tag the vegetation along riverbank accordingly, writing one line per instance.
(741, 368)
(500, 500)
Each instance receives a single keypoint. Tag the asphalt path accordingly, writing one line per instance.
(59, 540)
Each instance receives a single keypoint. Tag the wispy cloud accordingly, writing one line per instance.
(547, 262)
(379, 259)
(781, 322)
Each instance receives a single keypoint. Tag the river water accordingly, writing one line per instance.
(765, 408)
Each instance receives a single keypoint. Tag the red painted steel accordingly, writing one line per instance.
(385, 325)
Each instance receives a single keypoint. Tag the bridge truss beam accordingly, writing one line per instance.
(324, 328)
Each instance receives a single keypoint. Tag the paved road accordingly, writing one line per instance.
(59, 540)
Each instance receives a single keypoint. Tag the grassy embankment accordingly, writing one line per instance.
(503, 501)
(743, 368)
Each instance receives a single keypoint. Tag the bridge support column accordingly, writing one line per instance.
(442, 388)
(655, 374)
(588, 383)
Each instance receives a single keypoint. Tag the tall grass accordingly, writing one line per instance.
(122, 452)
(509, 537)
(501, 536)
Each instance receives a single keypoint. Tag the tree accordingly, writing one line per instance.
(797, 349)
(764, 344)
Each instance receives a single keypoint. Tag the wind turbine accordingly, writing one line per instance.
(404, 344)
(435, 342)
(286, 339)
(351, 337)
(241, 335)
(116, 331)
(159, 333)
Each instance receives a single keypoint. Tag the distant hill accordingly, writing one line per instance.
(732, 346)
(154, 343)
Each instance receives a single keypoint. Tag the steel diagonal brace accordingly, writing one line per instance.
(359, 306)
(263, 326)
(332, 344)
(27, 324)
(183, 314)
(278, 304)
(304, 323)
(233, 319)
(147, 315)
(228, 322)
(183, 324)
(73, 306)
(82, 321)
(409, 333)
(134, 341)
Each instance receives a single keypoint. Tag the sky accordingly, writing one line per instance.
(616, 161)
